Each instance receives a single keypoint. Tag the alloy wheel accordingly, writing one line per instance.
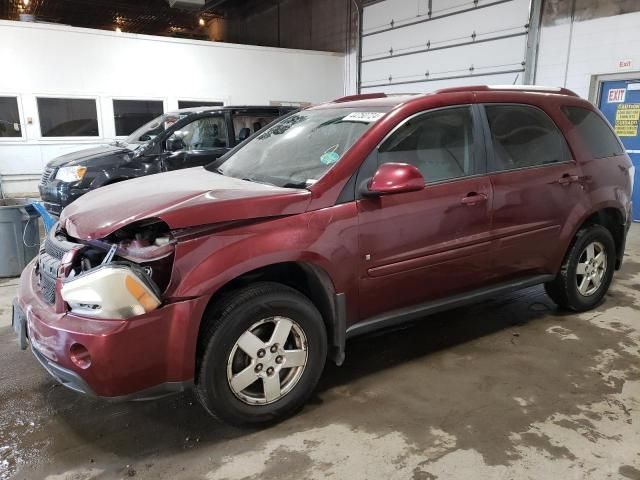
(267, 360)
(591, 269)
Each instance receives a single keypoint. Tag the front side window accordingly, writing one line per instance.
(130, 115)
(439, 144)
(299, 149)
(523, 137)
(68, 117)
(594, 132)
(203, 134)
(9, 118)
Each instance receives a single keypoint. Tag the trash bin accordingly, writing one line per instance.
(19, 235)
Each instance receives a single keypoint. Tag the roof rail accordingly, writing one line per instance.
(513, 88)
(362, 96)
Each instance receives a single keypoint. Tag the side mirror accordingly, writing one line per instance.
(174, 143)
(393, 178)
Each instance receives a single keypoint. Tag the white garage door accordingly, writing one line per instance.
(423, 45)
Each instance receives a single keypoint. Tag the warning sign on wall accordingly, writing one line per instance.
(627, 117)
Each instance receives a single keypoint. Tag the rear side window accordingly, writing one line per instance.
(439, 144)
(594, 132)
(523, 137)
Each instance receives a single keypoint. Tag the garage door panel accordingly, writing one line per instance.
(485, 58)
(441, 31)
(400, 55)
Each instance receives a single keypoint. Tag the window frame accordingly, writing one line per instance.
(604, 119)
(138, 99)
(23, 130)
(191, 119)
(95, 98)
(488, 139)
(479, 157)
(369, 166)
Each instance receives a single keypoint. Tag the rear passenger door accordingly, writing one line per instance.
(424, 245)
(536, 185)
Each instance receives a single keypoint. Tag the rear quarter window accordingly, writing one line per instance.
(594, 131)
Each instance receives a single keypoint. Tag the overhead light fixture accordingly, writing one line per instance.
(201, 21)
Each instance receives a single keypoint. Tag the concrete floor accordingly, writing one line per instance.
(509, 389)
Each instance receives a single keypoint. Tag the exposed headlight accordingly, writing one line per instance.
(71, 174)
(112, 291)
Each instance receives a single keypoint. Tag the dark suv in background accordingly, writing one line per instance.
(189, 137)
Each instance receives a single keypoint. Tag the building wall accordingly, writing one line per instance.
(595, 42)
(56, 60)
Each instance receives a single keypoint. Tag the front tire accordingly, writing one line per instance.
(262, 353)
(586, 272)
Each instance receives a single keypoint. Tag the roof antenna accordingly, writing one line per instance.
(516, 79)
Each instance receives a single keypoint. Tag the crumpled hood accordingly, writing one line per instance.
(183, 198)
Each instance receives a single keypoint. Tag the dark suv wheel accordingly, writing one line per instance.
(263, 352)
(586, 272)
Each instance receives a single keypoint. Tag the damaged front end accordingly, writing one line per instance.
(118, 277)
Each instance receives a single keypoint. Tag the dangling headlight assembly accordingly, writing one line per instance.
(112, 291)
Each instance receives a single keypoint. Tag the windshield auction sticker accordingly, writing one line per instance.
(365, 117)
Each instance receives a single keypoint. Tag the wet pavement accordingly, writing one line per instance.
(510, 388)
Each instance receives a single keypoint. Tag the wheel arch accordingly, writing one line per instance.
(308, 278)
(614, 218)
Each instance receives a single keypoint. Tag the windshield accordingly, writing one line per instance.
(300, 148)
(154, 128)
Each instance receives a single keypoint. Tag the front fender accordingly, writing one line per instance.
(325, 239)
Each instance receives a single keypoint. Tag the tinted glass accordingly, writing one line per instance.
(246, 124)
(203, 134)
(523, 137)
(197, 103)
(594, 131)
(439, 143)
(132, 114)
(9, 117)
(299, 149)
(68, 117)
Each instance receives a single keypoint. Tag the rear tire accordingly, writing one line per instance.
(263, 351)
(586, 272)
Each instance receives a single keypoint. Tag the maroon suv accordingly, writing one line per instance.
(241, 278)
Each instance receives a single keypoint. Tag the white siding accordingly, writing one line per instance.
(596, 47)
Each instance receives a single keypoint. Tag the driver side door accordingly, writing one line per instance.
(197, 143)
(424, 245)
